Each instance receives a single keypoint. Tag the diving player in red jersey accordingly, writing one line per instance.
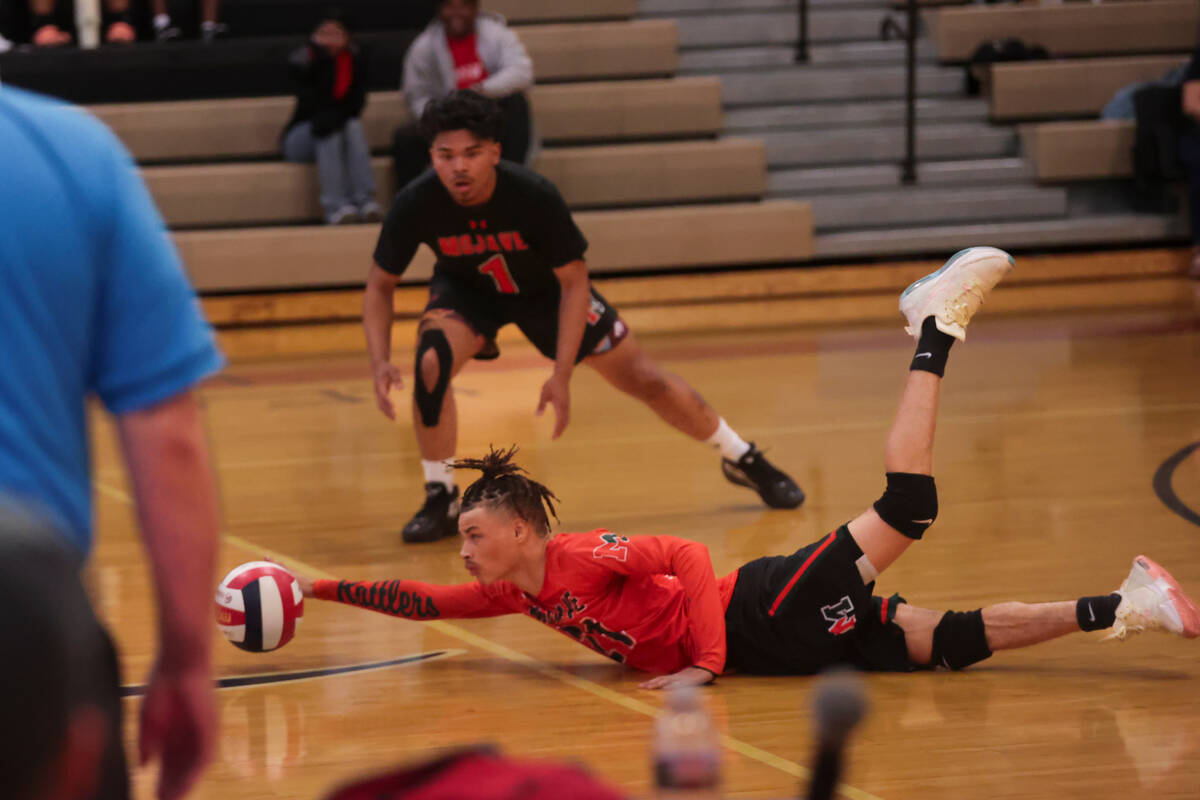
(653, 603)
(508, 251)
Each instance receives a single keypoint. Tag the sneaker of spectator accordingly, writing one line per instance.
(370, 211)
(346, 215)
(210, 31)
(164, 30)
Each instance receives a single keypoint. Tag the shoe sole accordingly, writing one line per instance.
(1189, 612)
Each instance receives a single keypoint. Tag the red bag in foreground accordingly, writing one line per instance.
(480, 773)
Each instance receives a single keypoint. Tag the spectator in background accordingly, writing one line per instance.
(1189, 152)
(325, 126)
(465, 49)
(94, 303)
(46, 32)
(165, 31)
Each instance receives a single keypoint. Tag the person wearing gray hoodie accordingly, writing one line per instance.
(466, 48)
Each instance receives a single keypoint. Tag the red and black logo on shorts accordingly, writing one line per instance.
(841, 616)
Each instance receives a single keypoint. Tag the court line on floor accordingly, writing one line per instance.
(304, 675)
(738, 746)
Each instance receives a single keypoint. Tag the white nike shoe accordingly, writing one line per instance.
(1152, 600)
(954, 293)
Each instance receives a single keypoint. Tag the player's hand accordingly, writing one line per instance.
(303, 581)
(387, 377)
(556, 392)
(179, 726)
(688, 676)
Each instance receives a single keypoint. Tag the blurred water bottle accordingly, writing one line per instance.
(87, 23)
(687, 748)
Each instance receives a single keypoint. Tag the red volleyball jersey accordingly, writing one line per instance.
(651, 602)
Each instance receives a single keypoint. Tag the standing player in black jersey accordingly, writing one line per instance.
(508, 251)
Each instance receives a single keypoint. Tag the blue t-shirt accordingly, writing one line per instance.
(93, 301)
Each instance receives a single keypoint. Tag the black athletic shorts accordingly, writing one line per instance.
(537, 319)
(798, 614)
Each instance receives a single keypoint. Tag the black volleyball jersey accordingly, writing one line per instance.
(506, 248)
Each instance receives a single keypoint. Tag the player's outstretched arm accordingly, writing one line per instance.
(414, 600)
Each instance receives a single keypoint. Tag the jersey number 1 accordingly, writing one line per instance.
(497, 268)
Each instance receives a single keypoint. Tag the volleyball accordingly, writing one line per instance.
(258, 606)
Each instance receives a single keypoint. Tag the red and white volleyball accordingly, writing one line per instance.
(259, 605)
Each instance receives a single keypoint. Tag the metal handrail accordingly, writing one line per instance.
(908, 170)
(802, 40)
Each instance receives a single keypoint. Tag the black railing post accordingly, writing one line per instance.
(802, 40)
(908, 172)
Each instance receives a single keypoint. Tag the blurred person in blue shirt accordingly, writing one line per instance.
(94, 303)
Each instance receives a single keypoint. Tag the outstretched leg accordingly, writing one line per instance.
(630, 369)
(1149, 599)
(938, 308)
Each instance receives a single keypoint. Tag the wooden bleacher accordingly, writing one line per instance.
(1069, 29)
(194, 130)
(274, 192)
(1068, 88)
(665, 238)
(1079, 149)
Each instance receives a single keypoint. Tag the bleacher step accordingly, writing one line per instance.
(757, 119)
(806, 84)
(863, 145)
(989, 171)
(916, 205)
(1109, 229)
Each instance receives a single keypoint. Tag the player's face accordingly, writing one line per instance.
(466, 166)
(489, 543)
(458, 16)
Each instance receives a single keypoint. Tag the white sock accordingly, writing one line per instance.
(161, 21)
(208, 25)
(728, 442)
(439, 472)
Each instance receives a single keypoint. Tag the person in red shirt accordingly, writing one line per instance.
(654, 604)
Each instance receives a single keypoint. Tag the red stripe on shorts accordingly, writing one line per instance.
(803, 568)
(883, 611)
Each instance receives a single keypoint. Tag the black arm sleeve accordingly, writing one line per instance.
(400, 236)
(556, 236)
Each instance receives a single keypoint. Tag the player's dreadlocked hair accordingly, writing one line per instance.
(462, 110)
(503, 486)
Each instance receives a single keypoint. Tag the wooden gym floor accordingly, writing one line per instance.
(1052, 429)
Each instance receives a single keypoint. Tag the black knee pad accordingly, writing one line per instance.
(909, 503)
(959, 640)
(429, 401)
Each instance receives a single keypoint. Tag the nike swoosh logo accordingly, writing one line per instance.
(1091, 614)
(924, 355)
(923, 521)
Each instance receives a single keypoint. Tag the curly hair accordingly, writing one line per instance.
(503, 486)
(462, 110)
